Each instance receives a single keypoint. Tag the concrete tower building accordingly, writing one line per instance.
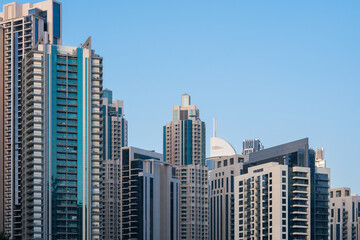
(224, 164)
(115, 126)
(61, 142)
(345, 214)
(282, 195)
(251, 145)
(265, 202)
(222, 199)
(21, 27)
(149, 196)
(114, 138)
(184, 148)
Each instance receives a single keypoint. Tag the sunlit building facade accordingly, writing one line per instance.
(21, 27)
(61, 142)
(221, 195)
(251, 145)
(184, 148)
(344, 214)
(282, 195)
(114, 138)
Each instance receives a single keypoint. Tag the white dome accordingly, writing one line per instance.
(220, 147)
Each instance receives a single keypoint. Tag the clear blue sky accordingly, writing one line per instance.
(273, 70)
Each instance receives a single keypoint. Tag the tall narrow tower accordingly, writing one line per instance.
(114, 138)
(21, 27)
(61, 142)
(184, 148)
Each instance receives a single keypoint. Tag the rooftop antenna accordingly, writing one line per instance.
(214, 127)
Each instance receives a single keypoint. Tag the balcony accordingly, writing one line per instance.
(300, 219)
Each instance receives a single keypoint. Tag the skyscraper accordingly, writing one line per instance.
(344, 214)
(115, 126)
(320, 158)
(282, 195)
(184, 137)
(251, 145)
(149, 196)
(61, 142)
(184, 148)
(21, 26)
(222, 199)
(114, 138)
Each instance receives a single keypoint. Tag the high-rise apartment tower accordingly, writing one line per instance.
(149, 196)
(282, 195)
(21, 27)
(184, 148)
(61, 142)
(222, 199)
(114, 138)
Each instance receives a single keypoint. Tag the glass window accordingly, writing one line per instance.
(56, 20)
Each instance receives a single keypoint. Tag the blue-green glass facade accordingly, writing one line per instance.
(68, 108)
(320, 207)
(108, 95)
(187, 142)
(56, 22)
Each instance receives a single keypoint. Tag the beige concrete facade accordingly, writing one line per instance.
(22, 26)
(16, 11)
(344, 214)
(193, 201)
(2, 145)
(272, 201)
(114, 137)
(184, 148)
(221, 192)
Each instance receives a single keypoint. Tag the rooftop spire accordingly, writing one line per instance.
(214, 127)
